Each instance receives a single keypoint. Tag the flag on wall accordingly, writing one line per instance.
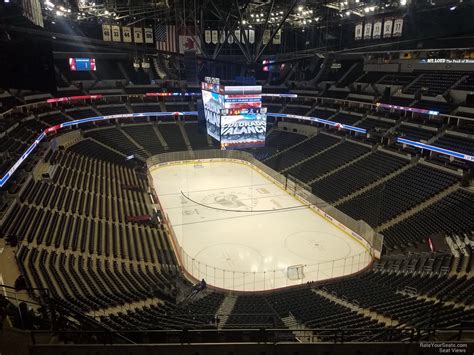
(398, 27)
(358, 31)
(377, 29)
(165, 38)
(137, 35)
(148, 35)
(127, 34)
(106, 35)
(387, 28)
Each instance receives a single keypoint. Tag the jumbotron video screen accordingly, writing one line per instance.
(234, 114)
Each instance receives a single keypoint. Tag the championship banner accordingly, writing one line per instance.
(230, 38)
(368, 30)
(387, 28)
(358, 31)
(251, 36)
(127, 34)
(137, 35)
(149, 35)
(116, 33)
(237, 35)
(207, 36)
(377, 29)
(106, 35)
(214, 36)
(277, 37)
(397, 27)
(222, 37)
(266, 36)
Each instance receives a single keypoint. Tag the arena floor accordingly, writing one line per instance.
(231, 223)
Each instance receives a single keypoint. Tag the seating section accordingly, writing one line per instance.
(452, 214)
(330, 159)
(253, 311)
(415, 133)
(375, 124)
(434, 83)
(112, 109)
(377, 292)
(315, 311)
(91, 148)
(346, 118)
(116, 139)
(197, 139)
(457, 143)
(402, 79)
(358, 175)
(146, 136)
(301, 151)
(398, 194)
(197, 314)
(173, 136)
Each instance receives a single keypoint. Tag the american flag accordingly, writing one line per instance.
(165, 38)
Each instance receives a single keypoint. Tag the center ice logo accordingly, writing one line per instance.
(229, 201)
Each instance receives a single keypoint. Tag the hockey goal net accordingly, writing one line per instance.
(295, 272)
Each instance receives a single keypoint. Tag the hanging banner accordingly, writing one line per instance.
(189, 43)
(116, 33)
(266, 36)
(368, 30)
(237, 35)
(207, 36)
(149, 35)
(127, 34)
(377, 29)
(397, 27)
(137, 35)
(230, 38)
(106, 35)
(214, 36)
(358, 31)
(387, 28)
(252, 36)
(277, 37)
(222, 37)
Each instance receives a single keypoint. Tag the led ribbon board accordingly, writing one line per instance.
(436, 149)
(320, 120)
(407, 108)
(55, 128)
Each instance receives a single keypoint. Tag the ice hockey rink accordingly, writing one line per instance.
(239, 230)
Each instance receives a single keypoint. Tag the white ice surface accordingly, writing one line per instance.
(249, 250)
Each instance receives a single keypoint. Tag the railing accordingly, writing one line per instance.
(253, 335)
(267, 280)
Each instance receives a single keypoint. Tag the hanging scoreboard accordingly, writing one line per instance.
(234, 114)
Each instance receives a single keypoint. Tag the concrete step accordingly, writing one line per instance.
(225, 309)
